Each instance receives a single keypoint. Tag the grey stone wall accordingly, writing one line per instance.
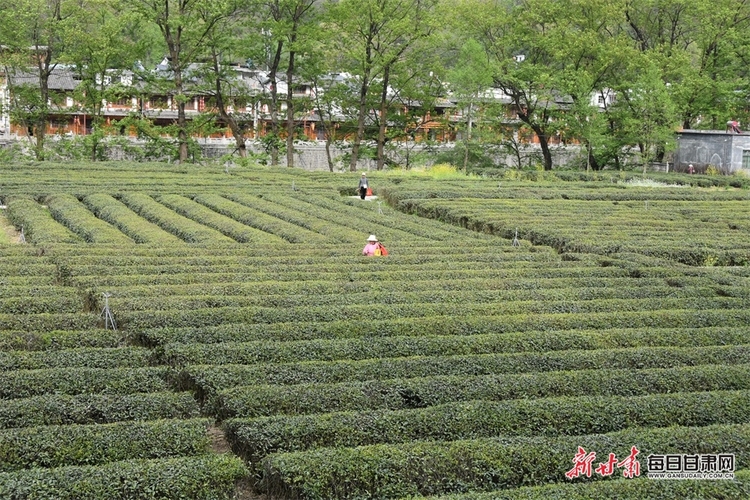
(702, 148)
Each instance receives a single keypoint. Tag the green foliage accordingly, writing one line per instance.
(72, 381)
(37, 223)
(59, 445)
(404, 393)
(54, 409)
(205, 477)
(430, 468)
(626, 489)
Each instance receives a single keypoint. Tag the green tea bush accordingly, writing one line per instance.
(204, 477)
(431, 468)
(119, 357)
(54, 409)
(256, 438)
(37, 223)
(111, 210)
(533, 381)
(68, 380)
(226, 225)
(67, 210)
(58, 445)
(182, 227)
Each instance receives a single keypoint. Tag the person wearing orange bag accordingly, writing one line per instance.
(371, 247)
(374, 247)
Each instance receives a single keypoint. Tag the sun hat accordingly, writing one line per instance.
(364, 173)
(372, 238)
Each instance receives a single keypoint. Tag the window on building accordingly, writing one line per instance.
(746, 158)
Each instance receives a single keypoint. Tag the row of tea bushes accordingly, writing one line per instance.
(70, 212)
(394, 220)
(404, 393)
(260, 204)
(207, 379)
(348, 298)
(118, 357)
(37, 223)
(60, 445)
(182, 227)
(238, 231)
(662, 232)
(581, 327)
(365, 270)
(622, 489)
(46, 322)
(366, 313)
(55, 409)
(263, 222)
(438, 468)
(256, 438)
(201, 477)
(113, 211)
(70, 380)
(264, 266)
(22, 340)
(501, 287)
(369, 347)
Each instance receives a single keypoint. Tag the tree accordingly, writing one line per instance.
(648, 114)
(184, 26)
(471, 78)
(100, 51)
(373, 36)
(34, 38)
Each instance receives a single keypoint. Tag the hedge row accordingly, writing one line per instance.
(253, 439)
(509, 288)
(62, 303)
(388, 229)
(561, 231)
(536, 263)
(331, 230)
(621, 489)
(120, 216)
(392, 221)
(46, 322)
(182, 227)
(26, 383)
(311, 298)
(59, 339)
(205, 477)
(207, 379)
(403, 393)
(362, 272)
(55, 409)
(236, 230)
(340, 268)
(428, 345)
(542, 324)
(30, 267)
(119, 357)
(424, 468)
(60, 445)
(466, 325)
(37, 223)
(369, 312)
(68, 211)
(269, 227)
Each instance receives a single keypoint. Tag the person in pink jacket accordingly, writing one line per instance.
(372, 245)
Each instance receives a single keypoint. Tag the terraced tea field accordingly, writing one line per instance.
(257, 354)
